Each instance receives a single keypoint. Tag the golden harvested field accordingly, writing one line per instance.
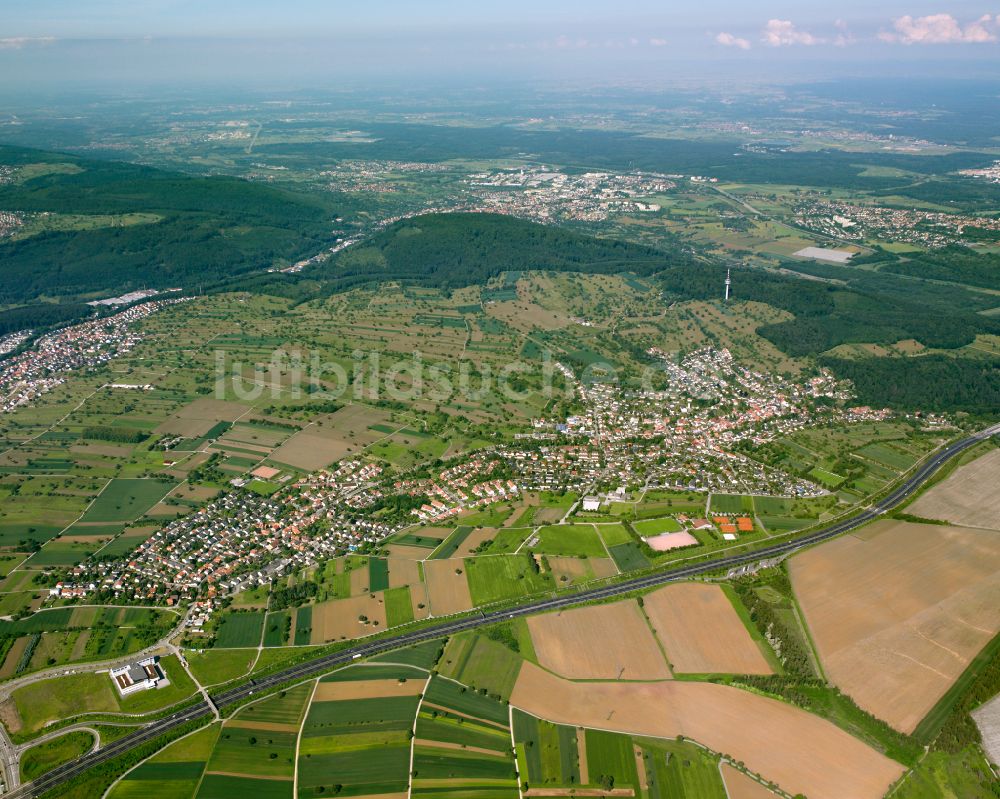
(799, 751)
(366, 689)
(743, 786)
(338, 619)
(447, 592)
(598, 642)
(970, 497)
(701, 631)
(899, 614)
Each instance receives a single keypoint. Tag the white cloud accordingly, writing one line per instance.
(20, 42)
(728, 40)
(941, 29)
(782, 32)
(658, 42)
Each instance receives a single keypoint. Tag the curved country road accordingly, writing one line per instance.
(327, 662)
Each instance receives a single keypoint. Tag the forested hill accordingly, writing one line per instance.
(181, 230)
(462, 249)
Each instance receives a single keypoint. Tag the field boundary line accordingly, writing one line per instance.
(413, 737)
(298, 739)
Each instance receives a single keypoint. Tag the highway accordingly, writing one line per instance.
(326, 663)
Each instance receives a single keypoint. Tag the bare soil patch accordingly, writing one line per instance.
(701, 631)
(970, 497)
(899, 615)
(306, 450)
(339, 619)
(365, 689)
(403, 571)
(474, 539)
(599, 642)
(799, 751)
(447, 592)
(743, 786)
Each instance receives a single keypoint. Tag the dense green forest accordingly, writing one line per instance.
(210, 228)
(869, 308)
(455, 250)
(954, 264)
(931, 382)
(42, 315)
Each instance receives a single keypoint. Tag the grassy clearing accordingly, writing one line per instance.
(216, 666)
(42, 758)
(241, 629)
(493, 579)
(398, 606)
(572, 540)
(126, 499)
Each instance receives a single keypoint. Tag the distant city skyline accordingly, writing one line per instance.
(254, 41)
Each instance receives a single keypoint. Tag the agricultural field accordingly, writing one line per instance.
(480, 662)
(239, 629)
(504, 577)
(598, 642)
(800, 752)
(174, 772)
(254, 753)
(356, 734)
(701, 631)
(462, 745)
(568, 540)
(968, 497)
(922, 604)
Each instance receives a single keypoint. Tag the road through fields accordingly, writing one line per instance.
(325, 663)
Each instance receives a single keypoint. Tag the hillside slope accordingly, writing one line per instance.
(203, 229)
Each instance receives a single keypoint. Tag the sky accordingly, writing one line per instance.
(308, 42)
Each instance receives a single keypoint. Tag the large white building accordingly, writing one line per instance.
(137, 676)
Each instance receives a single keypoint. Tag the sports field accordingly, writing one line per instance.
(923, 600)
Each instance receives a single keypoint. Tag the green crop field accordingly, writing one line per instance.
(457, 697)
(378, 574)
(174, 772)
(238, 629)
(492, 579)
(481, 663)
(610, 756)
(398, 606)
(653, 527)
(629, 557)
(682, 770)
(424, 655)
(224, 786)
(277, 627)
(286, 707)
(549, 752)
(452, 542)
(731, 504)
(303, 625)
(126, 499)
(574, 540)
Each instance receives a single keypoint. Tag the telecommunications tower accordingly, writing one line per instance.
(729, 283)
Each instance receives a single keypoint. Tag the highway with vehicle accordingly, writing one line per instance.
(326, 663)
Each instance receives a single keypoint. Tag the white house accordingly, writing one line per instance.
(138, 676)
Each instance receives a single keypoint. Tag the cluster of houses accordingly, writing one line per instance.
(547, 194)
(43, 366)
(684, 436)
(846, 220)
(9, 223)
(657, 438)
